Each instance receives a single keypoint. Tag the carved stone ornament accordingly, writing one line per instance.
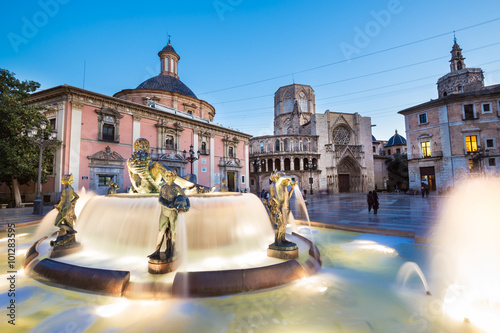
(107, 154)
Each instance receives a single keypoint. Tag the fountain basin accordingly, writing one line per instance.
(221, 245)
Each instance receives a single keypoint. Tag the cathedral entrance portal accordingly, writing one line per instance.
(349, 175)
(343, 183)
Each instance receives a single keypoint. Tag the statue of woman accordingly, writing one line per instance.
(280, 203)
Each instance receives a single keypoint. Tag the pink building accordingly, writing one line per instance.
(98, 133)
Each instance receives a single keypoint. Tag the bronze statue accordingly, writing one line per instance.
(66, 218)
(223, 186)
(279, 206)
(113, 187)
(173, 200)
(146, 175)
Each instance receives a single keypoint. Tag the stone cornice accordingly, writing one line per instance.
(97, 100)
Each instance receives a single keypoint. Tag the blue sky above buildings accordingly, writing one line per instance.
(236, 53)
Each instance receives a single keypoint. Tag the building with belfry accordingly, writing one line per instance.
(329, 152)
(455, 136)
(98, 133)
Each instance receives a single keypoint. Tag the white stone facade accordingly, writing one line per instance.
(337, 144)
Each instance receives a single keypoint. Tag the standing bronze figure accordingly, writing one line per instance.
(280, 203)
(66, 217)
(172, 200)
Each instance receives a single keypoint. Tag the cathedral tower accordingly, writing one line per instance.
(460, 79)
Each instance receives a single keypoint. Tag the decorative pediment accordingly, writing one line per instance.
(106, 111)
(174, 157)
(106, 154)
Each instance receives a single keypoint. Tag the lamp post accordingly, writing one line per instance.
(42, 144)
(477, 156)
(191, 158)
(310, 166)
(256, 164)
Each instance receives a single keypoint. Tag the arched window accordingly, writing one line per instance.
(306, 164)
(315, 163)
(277, 145)
(288, 105)
(277, 164)
(287, 144)
(270, 165)
(231, 152)
(287, 164)
(296, 164)
(277, 110)
(261, 146)
(305, 146)
(203, 149)
(303, 102)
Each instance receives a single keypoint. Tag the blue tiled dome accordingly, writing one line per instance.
(373, 139)
(396, 140)
(167, 83)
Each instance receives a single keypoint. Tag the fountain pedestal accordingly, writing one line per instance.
(162, 265)
(288, 250)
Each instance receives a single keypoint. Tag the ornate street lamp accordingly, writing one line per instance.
(257, 163)
(477, 156)
(310, 166)
(42, 144)
(191, 158)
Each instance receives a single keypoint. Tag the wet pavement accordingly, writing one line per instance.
(398, 211)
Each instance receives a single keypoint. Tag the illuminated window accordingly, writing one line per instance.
(471, 143)
(426, 148)
(471, 164)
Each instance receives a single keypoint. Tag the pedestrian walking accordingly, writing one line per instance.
(375, 201)
(423, 191)
(369, 201)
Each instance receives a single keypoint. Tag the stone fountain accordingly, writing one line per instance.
(216, 242)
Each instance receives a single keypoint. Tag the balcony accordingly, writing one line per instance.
(434, 155)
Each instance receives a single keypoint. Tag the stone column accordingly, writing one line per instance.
(212, 160)
(136, 128)
(75, 138)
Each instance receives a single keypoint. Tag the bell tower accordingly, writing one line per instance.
(457, 60)
(169, 60)
(460, 79)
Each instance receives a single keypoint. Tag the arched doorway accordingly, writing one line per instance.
(349, 176)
